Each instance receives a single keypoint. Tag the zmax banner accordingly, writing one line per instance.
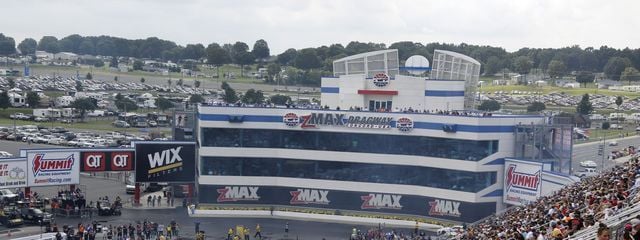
(345, 200)
(107, 160)
(165, 161)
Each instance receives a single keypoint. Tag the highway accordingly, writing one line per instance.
(589, 151)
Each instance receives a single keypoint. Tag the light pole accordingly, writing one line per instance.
(603, 146)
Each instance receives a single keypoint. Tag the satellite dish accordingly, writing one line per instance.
(416, 64)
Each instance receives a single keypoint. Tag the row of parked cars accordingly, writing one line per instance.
(63, 137)
(29, 117)
(68, 84)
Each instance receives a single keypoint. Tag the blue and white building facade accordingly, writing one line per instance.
(385, 161)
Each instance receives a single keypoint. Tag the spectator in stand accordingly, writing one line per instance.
(603, 232)
(635, 227)
(571, 209)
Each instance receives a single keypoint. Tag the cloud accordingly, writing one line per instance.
(299, 24)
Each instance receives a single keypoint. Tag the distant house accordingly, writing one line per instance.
(95, 95)
(146, 100)
(606, 83)
(577, 120)
(571, 85)
(541, 83)
(500, 82)
(67, 56)
(44, 55)
(518, 79)
(63, 101)
(17, 99)
(582, 121)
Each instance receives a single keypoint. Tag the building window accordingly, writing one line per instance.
(468, 150)
(347, 171)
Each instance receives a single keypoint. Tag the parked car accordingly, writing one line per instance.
(4, 154)
(587, 172)
(120, 124)
(58, 130)
(588, 164)
(613, 143)
(7, 195)
(41, 119)
(96, 113)
(131, 189)
(35, 215)
(616, 126)
(153, 123)
(10, 218)
(20, 116)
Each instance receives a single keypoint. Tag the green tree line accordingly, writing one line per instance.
(317, 61)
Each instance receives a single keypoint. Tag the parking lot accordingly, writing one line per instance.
(32, 136)
(70, 83)
(598, 101)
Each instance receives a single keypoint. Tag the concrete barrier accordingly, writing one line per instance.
(313, 217)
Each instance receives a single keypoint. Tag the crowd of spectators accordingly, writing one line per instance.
(388, 234)
(560, 215)
(361, 109)
(145, 230)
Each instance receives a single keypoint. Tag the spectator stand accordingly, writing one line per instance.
(573, 212)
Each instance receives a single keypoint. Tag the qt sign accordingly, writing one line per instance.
(101, 161)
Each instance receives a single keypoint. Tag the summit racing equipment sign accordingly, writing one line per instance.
(314, 120)
(165, 161)
(13, 173)
(52, 167)
(522, 182)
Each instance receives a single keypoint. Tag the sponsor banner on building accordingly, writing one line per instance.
(52, 167)
(346, 200)
(522, 181)
(13, 173)
(165, 161)
(107, 160)
(315, 120)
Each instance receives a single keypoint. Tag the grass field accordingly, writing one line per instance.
(598, 134)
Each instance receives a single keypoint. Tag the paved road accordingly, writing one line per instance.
(214, 227)
(589, 151)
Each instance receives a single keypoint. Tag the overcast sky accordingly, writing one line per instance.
(511, 24)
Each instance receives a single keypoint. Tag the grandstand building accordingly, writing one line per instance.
(386, 143)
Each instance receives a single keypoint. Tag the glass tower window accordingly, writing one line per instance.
(347, 171)
(468, 150)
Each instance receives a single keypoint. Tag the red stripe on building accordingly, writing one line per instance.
(377, 92)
